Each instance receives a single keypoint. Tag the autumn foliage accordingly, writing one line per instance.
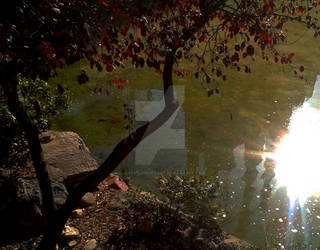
(40, 36)
(37, 37)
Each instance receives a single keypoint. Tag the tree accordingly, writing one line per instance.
(39, 36)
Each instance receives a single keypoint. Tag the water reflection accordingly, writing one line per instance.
(297, 155)
(201, 136)
(279, 207)
(297, 169)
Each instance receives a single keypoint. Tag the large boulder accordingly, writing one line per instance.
(67, 156)
(20, 209)
(68, 160)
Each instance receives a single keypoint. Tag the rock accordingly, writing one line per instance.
(230, 243)
(87, 200)
(28, 200)
(114, 182)
(77, 213)
(70, 233)
(114, 205)
(67, 156)
(68, 160)
(72, 243)
(20, 205)
(91, 245)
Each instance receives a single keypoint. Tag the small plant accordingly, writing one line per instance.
(41, 102)
(193, 194)
(142, 201)
(182, 221)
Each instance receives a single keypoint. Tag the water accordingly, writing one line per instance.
(225, 137)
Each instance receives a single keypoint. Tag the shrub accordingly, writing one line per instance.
(42, 102)
(192, 194)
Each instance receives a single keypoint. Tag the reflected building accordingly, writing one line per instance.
(164, 151)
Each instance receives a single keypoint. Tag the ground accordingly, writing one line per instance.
(116, 221)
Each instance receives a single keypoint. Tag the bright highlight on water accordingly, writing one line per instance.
(297, 156)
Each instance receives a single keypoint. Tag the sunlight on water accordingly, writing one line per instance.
(297, 155)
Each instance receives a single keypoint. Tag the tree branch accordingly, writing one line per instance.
(10, 83)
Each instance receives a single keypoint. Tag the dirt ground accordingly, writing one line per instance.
(115, 222)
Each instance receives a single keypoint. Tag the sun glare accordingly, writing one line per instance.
(297, 156)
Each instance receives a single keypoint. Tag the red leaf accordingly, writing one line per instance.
(291, 55)
(267, 7)
(201, 39)
(301, 68)
(125, 29)
(284, 60)
(263, 35)
(109, 68)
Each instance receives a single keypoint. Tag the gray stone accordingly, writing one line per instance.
(70, 232)
(87, 200)
(77, 213)
(91, 245)
(72, 243)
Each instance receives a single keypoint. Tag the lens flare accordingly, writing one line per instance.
(297, 156)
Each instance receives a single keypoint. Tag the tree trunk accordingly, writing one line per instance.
(119, 153)
(10, 83)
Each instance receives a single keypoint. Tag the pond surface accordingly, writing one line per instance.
(260, 141)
